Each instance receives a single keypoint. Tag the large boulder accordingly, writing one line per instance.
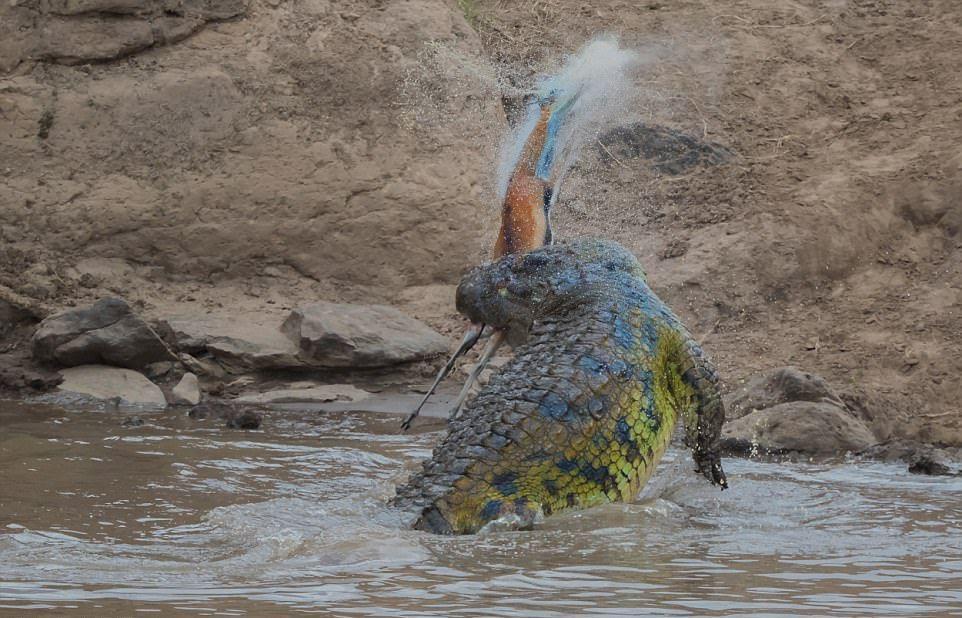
(777, 386)
(343, 335)
(106, 333)
(797, 426)
(76, 31)
(322, 335)
(239, 343)
(791, 410)
(112, 384)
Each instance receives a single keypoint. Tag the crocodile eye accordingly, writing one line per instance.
(535, 260)
(518, 289)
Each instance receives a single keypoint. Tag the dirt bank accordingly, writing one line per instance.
(833, 239)
(265, 154)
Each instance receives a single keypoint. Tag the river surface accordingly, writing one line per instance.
(185, 517)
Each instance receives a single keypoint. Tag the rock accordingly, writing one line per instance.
(105, 333)
(82, 39)
(133, 421)
(316, 394)
(77, 31)
(884, 415)
(344, 335)
(19, 373)
(165, 332)
(76, 7)
(240, 343)
(235, 417)
(187, 391)
(248, 419)
(203, 366)
(11, 316)
(112, 383)
(780, 386)
(929, 467)
(666, 150)
(815, 428)
(159, 369)
(897, 450)
(203, 411)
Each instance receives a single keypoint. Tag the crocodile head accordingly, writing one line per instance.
(513, 292)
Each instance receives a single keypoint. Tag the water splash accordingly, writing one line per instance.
(596, 83)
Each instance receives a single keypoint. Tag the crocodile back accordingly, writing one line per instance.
(580, 416)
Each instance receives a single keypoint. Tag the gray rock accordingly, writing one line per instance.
(157, 370)
(816, 428)
(318, 336)
(18, 372)
(105, 333)
(78, 31)
(240, 343)
(344, 335)
(929, 467)
(907, 451)
(666, 150)
(11, 316)
(203, 366)
(235, 417)
(316, 394)
(187, 391)
(76, 7)
(247, 419)
(780, 386)
(112, 383)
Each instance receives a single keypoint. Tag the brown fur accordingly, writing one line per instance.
(524, 224)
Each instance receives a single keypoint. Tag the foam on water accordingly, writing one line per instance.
(296, 517)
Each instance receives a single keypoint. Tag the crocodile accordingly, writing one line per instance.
(583, 412)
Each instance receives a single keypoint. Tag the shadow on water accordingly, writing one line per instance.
(180, 515)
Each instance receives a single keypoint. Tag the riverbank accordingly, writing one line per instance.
(336, 358)
(787, 173)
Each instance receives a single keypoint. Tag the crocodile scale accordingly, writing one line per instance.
(586, 407)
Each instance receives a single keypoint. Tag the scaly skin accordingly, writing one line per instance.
(585, 409)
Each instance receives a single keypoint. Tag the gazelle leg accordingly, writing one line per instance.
(467, 342)
(497, 338)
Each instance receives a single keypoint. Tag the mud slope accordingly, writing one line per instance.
(834, 239)
(259, 149)
(241, 153)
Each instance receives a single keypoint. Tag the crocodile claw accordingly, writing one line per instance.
(710, 467)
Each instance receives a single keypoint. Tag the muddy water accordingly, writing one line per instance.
(185, 517)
